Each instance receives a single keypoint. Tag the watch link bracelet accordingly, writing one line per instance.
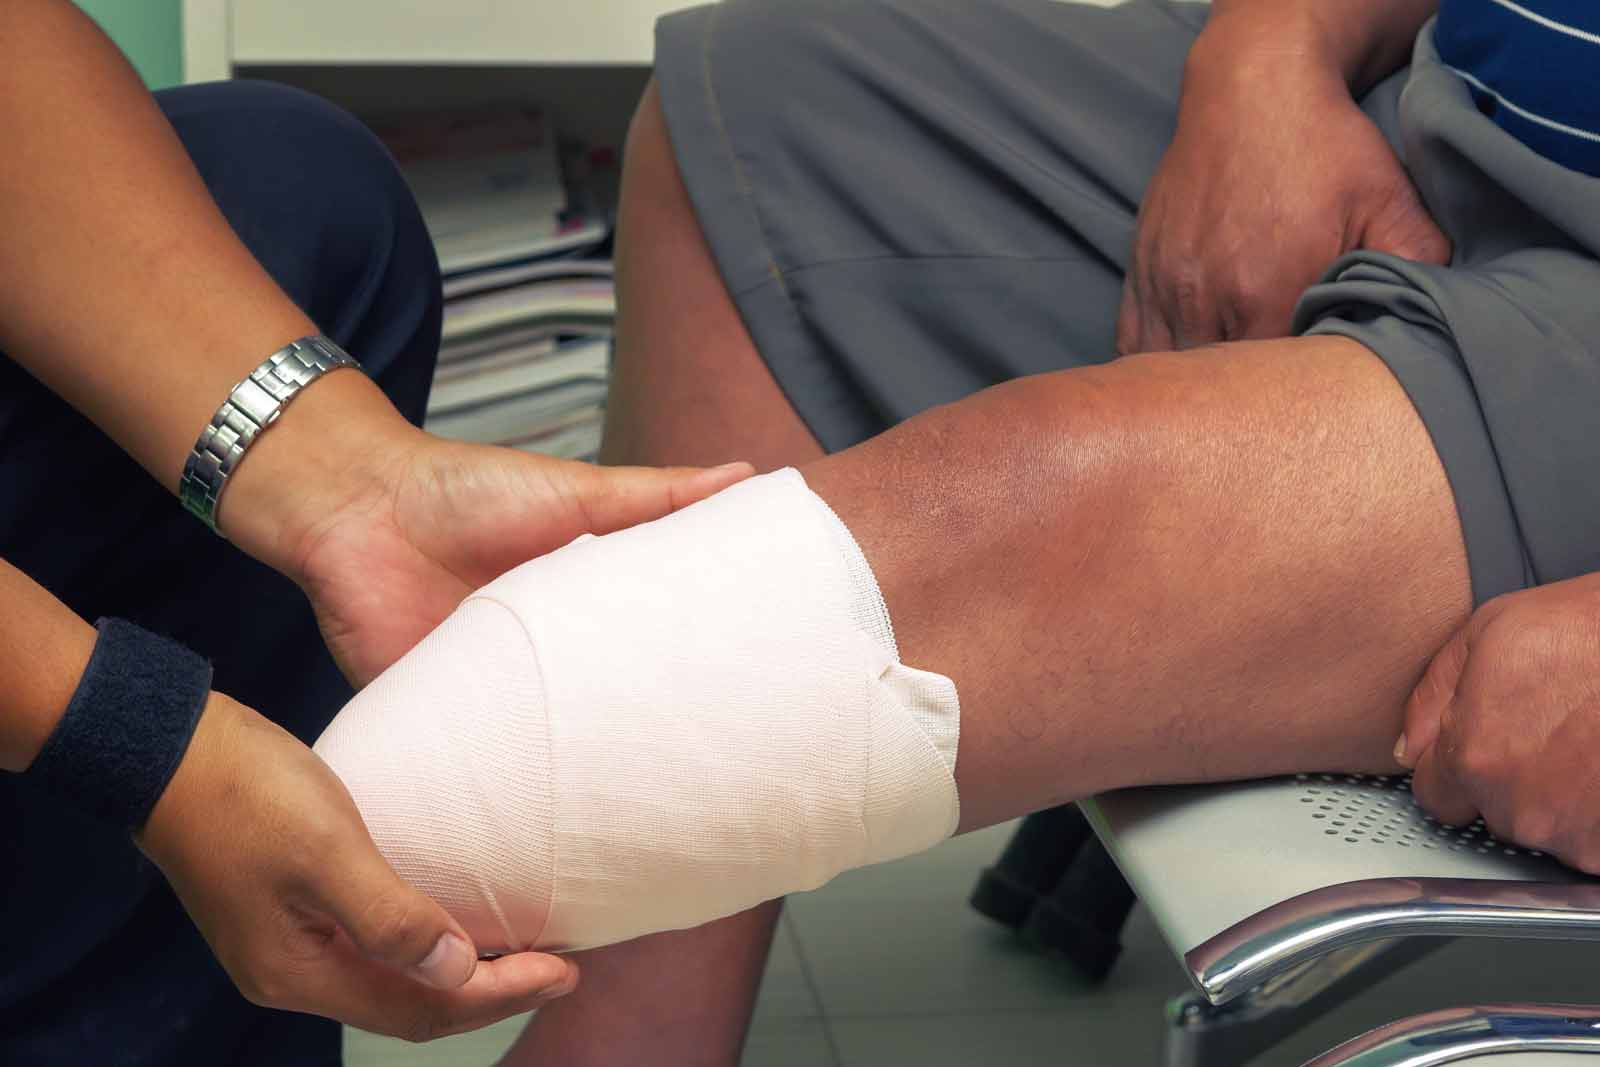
(252, 406)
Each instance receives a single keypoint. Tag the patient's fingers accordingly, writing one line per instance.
(1428, 746)
(1431, 699)
(1440, 791)
(1129, 316)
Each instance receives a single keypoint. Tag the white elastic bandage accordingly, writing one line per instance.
(653, 729)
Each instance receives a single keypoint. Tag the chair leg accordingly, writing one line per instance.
(1082, 920)
(1057, 886)
(1460, 1034)
(1201, 1034)
(1033, 862)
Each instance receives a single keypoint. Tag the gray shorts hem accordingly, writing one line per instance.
(1426, 367)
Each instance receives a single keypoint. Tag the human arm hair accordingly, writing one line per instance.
(127, 293)
(1366, 39)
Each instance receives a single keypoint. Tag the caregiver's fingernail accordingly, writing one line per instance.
(449, 964)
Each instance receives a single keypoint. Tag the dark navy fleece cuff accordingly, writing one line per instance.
(127, 726)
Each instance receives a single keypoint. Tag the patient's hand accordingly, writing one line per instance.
(1273, 174)
(1506, 723)
(434, 520)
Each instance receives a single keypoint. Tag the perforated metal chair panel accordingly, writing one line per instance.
(1204, 858)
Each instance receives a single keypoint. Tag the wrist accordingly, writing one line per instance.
(337, 446)
(1242, 77)
(126, 727)
(1360, 42)
(226, 744)
(163, 829)
(1240, 48)
(40, 667)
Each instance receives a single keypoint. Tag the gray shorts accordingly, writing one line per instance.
(911, 200)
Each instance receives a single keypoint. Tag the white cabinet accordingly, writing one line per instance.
(498, 32)
(223, 34)
(585, 60)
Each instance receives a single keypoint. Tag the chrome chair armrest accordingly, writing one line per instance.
(1458, 1034)
(1277, 941)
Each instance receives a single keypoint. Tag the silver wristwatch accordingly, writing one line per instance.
(252, 406)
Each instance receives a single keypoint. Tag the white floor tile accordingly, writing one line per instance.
(1023, 1039)
(785, 991)
(478, 1049)
(788, 1043)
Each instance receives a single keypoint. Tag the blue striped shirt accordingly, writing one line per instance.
(1534, 68)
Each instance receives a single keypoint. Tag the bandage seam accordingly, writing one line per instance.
(858, 573)
(477, 877)
(866, 777)
(486, 801)
(872, 621)
(550, 769)
(499, 912)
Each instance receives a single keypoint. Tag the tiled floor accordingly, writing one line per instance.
(888, 967)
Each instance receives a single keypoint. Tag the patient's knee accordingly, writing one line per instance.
(653, 729)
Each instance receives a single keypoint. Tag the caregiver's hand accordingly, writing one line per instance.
(1506, 722)
(1273, 173)
(390, 537)
(269, 856)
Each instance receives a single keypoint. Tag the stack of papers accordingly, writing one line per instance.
(561, 305)
(527, 365)
(529, 303)
(546, 396)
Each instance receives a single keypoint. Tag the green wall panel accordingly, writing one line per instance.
(150, 31)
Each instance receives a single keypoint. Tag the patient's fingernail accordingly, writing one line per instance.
(1400, 750)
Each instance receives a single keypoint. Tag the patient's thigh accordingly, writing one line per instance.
(1178, 567)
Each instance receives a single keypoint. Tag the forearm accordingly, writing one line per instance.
(231, 829)
(122, 287)
(43, 650)
(1366, 40)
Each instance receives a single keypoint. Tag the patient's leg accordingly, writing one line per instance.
(1171, 568)
(1220, 564)
(687, 387)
